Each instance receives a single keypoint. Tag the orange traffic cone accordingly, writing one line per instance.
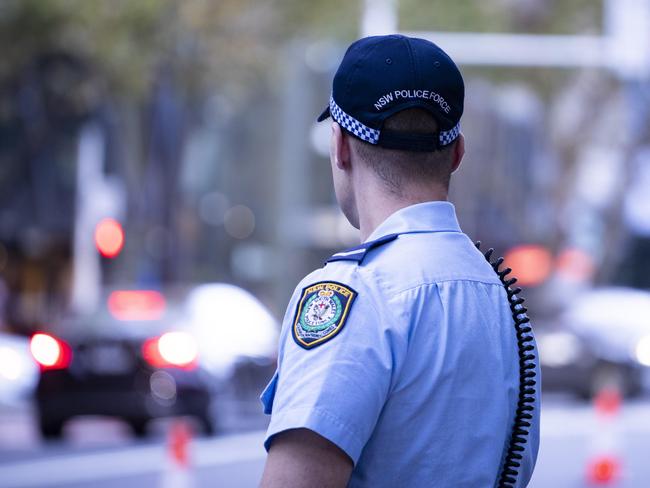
(177, 470)
(604, 467)
(603, 470)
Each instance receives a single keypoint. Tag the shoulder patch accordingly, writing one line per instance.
(322, 311)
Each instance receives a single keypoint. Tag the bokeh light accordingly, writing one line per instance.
(136, 304)
(109, 237)
(239, 221)
(531, 264)
(575, 265)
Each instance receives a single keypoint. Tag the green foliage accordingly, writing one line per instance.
(338, 19)
(235, 43)
(120, 38)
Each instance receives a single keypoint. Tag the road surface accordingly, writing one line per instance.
(102, 454)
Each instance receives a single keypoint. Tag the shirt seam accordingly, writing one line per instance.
(446, 280)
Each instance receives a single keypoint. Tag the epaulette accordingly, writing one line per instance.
(359, 252)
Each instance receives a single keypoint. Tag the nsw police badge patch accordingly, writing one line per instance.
(321, 313)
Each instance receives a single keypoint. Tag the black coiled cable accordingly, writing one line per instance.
(526, 400)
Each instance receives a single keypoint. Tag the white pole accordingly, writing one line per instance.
(379, 17)
(624, 48)
(86, 270)
(98, 196)
(521, 49)
(627, 25)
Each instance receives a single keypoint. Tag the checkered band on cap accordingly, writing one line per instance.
(352, 125)
(449, 136)
(367, 134)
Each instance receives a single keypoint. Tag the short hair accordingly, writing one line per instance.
(398, 167)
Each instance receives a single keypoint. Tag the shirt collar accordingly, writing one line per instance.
(438, 216)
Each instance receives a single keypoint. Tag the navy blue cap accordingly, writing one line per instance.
(382, 75)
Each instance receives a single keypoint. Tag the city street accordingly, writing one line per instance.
(101, 453)
(573, 436)
(169, 196)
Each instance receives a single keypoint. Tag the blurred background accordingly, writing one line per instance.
(164, 186)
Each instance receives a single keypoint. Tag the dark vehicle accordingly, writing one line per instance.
(601, 341)
(129, 361)
(572, 363)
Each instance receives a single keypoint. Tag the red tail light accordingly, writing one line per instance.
(136, 304)
(173, 349)
(50, 352)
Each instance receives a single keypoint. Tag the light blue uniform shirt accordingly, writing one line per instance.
(419, 385)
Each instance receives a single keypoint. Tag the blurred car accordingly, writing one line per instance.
(601, 340)
(131, 360)
(18, 373)
(140, 358)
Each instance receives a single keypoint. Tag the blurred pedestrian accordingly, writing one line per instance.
(398, 362)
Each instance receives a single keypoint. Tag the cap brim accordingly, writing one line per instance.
(324, 115)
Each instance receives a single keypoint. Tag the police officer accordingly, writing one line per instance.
(397, 363)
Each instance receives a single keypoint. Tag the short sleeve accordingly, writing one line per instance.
(338, 388)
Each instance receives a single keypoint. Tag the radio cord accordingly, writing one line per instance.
(523, 416)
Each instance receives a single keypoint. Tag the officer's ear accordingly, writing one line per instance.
(457, 153)
(339, 148)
